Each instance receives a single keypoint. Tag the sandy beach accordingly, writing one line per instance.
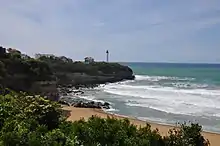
(78, 113)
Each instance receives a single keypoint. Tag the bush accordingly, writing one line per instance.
(114, 132)
(22, 70)
(34, 121)
(186, 136)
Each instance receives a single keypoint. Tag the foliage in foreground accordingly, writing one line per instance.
(35, 121)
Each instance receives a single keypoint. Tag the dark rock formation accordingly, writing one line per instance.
(91, 104)
(82, 103)
(89, 81)
(87, 105)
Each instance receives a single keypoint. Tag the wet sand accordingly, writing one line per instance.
(78, 113)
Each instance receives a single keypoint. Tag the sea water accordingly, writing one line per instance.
(166, 93)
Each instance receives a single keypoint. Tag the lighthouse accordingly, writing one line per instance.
(107, 56)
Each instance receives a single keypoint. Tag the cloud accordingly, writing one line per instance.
(140, 30)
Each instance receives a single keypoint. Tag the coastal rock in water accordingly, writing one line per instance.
(83, 103)
(65, 91)
(106, 104)
(87, 105)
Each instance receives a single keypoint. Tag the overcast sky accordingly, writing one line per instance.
(132, 30)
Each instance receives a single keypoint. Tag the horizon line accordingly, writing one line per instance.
(209, 63)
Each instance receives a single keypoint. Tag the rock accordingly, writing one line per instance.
(82, 103)
(64, 102)
(69, 86)
(106, 104)
(77, 87)
(99, 103)
(91, 104)
(78, 92)
(106, 107)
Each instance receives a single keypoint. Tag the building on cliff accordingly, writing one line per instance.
(2, 50)
(65, 59)
(89, 60)
(37, 56)
(10, 50)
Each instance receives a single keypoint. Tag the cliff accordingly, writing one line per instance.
(43, 74)
(78, 73)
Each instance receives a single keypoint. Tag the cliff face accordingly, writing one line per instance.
(44, 74)
(79, 73)
(86, 79)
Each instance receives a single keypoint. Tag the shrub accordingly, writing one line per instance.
(187, 135)
(34, 121)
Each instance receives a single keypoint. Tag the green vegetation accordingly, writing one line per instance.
(66, 65)
(22, 71)
(33, 74)
(34, 121)
(76, 73)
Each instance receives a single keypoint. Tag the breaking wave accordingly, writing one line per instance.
(194, 100)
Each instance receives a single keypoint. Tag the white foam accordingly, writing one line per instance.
(111, 110)
(158, 120)
(188, 85)
(158, 78)
(171, 100)
(91, 98)
(165, 89)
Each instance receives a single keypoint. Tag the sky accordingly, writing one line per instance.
(132, 30)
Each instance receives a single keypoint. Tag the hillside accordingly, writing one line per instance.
(43, 74)
(79, 73)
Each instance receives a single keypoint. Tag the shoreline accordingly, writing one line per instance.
(79, 113)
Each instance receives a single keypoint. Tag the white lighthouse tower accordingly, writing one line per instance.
(107, 56)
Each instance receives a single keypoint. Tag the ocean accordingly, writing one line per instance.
(166, 93)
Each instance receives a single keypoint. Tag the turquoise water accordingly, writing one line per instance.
(167, 93)
(202, 73)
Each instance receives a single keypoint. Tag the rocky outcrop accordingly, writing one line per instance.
(44, 74)
(82, 103)
(70, 97)
(92, 104)
(85, 80)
